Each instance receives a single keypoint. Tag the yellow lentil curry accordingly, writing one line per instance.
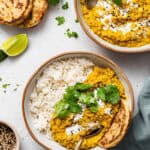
(127, 25)
(58, 127)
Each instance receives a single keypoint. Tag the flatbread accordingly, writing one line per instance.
(14, 11)
(118, 128)
(38, 11)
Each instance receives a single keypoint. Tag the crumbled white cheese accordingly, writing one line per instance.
(128, 1)
(96, 148)
(106, 19)
(125, 28)
(100, 103)
(75, 129)
(104, 4)
(77, 117)
(124, 12)
(92, 124)
(108, 111)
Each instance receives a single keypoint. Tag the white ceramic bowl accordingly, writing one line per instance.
(98, 60)
(15, 132)
(100, 41)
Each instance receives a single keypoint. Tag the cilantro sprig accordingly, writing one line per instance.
(81, 94)
(90, 101)
(109, 93)
(117, 2)
(71, 34)
(4, 86)
(53, 2)
(65, 6)
(60, 20)
(69, 104)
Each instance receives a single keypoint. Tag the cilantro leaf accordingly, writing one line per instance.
(4, 86)
(64, 108)
(82, 86)
(61, 109)
(60, 20)
(65, 6)
(53, 2)
(90, 101)
(94, 108)
(101, 93)
(87, 98)
(71, 94)
(76, 20)
(109, 93)
(118, 2)
(3, 56)
(63, 114)
(72, 97)
(113, 95)
(71, 34)
(76, 108)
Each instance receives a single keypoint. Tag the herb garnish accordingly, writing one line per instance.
(118, 2)
(65, 6)
(69, 104)
(90, 101)
(80, 93)
(71, 34)
(60, 20)
(109, 93)
(76, 20)
(83, 87)
(53, 2)
(4, 86)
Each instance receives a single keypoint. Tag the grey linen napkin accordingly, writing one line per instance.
(138, 136)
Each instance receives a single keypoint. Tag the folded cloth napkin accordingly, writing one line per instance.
(138, 136)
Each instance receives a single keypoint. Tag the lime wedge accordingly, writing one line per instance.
(15, 45)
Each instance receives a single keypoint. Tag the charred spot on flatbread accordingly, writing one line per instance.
(14, 12)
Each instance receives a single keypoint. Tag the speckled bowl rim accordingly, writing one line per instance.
(15, 132)
(72, 53)
(103, 43)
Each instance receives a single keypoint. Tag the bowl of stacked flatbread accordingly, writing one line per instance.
(22, 13)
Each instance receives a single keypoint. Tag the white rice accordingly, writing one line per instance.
(51, 86)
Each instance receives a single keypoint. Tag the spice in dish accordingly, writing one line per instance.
(127, 25)
(7, 138)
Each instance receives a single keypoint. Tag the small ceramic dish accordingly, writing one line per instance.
(14, 131)
(98, 60)
(100, 41)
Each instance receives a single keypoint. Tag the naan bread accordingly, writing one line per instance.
(38, 11)
(118, 127)
(14, 12)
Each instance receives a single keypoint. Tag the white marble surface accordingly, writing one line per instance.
(47, 40)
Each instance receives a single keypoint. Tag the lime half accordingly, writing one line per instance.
(15, 45)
